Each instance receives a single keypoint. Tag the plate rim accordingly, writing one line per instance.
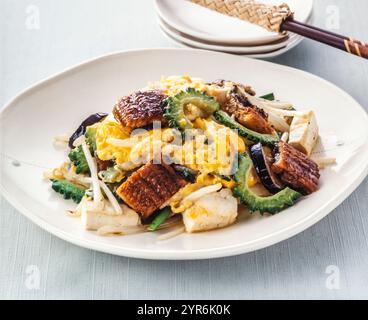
(239, 41)
(231, 49)
(266, 55)
(232, 250)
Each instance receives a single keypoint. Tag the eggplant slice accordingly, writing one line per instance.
(91, 120)
(262, 162)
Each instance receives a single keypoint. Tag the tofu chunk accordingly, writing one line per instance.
(95, 220)
(304, 132)
(213, 211)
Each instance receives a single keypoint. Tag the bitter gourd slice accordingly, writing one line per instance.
(226, 120)
(175, 111)
(272, 204)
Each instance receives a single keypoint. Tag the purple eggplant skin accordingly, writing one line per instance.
(91, 120)
(262, 165)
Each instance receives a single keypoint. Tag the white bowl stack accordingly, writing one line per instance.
(191, 25)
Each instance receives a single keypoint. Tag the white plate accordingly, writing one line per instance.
(193, 42)
(296, 40)
(208, 25)
(277, 53)
(57, 105)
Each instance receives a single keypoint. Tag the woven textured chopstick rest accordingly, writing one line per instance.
(270, 17)
(280, 19)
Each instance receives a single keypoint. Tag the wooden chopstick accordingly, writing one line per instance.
(322, 30)
(332, 33)
(344, 43)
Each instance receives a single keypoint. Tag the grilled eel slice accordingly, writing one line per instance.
(295, 169)
(233, 100)
(140, 109)
(150, 187)
(249, 116)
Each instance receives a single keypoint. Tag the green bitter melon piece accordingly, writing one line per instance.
(68, 190)
(176, 107)
(244, 132)
(91, 138)
(272, 204)
(79, 160)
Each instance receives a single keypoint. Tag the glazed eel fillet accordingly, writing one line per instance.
(296, 169)
(147, 189)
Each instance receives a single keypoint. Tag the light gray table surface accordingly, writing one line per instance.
(71, 31)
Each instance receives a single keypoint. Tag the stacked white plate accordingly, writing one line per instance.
(191, 25)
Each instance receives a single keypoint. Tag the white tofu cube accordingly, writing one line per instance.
(213, 211)
(96, 220)
(304, 132)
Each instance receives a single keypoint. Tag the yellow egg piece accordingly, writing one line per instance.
(174, 84)
(106, 151)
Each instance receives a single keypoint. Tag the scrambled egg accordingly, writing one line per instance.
(105, 150)
(223, 147)
(209, 151)
(174, 84)
(127, 148)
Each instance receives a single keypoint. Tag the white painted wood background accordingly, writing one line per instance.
(72, 31)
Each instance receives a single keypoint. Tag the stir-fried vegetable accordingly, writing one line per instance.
(111, 175)
(262, 163)
(187, 105)
(97, 195)
(68, 190)
(159, 219)
(91, 138)
(273, 204)
(91, 120)
(187, 173)
(269, 96)
(226, 120)
(78, 158)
